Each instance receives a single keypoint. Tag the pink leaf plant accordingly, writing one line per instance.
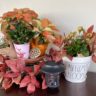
(15, 71)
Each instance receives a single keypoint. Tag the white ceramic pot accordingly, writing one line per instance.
(76, 70)
(22, 50)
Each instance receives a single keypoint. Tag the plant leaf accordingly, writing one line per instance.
(44, 85)
(7, 83)
(26, 80)
(12, 65)
(10, 74)
(90, 29)
(94, 58)
(16, 80)
(30, 88)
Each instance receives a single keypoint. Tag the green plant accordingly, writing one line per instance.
(22, 32)
(78, 46)
(42, 39)
(79, 43)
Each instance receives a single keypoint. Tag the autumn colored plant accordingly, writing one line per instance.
(46, 32)
(17, 25)
(21, 25)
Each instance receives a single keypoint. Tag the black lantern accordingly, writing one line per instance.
(52, 71)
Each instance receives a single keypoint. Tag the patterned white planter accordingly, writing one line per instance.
(76, 70)
(22, 50)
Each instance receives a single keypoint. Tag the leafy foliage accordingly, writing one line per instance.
(22, 24)
(80, 42)
(22, 33)
(15, 71)
(42, 39)
(78, 46)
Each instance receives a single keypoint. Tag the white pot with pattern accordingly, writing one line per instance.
(76, 70)
(22, 50)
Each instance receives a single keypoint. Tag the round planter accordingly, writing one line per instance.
(22, 50)
(76, 70)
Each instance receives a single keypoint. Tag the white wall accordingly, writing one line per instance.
(66, 14)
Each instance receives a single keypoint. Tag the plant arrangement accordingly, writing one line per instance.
(17, 25)
(16, 72)
(79, 49)
(80, 43)
(21, 26)
(46, 33)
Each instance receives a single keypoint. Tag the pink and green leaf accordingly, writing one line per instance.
(26, 80)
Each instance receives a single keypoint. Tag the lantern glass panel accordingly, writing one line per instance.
(52, 80)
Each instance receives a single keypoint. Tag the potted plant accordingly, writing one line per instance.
(17, 26)
(22, 25)
(79, 46)
(46, 33)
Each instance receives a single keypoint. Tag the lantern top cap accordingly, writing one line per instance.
(52, 67)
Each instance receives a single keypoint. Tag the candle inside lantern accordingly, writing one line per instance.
(52, 72)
